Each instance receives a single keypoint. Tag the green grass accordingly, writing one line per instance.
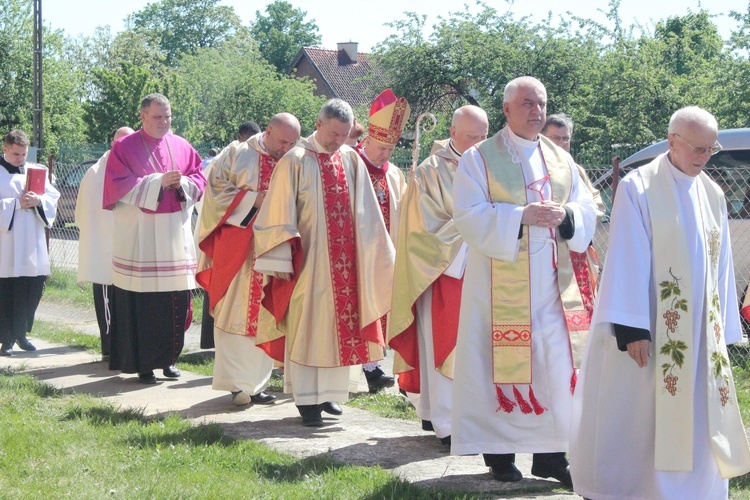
(57, 334)
(385, 405)
(54, 445)
(61, 287)
(740, 486)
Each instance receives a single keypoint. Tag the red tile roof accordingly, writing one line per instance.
(344, 79)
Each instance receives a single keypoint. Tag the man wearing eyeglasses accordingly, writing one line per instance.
(559, 129)
(655, 413)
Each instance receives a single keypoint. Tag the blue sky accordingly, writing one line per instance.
(341, 21)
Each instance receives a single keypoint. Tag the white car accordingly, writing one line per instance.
(730, 168)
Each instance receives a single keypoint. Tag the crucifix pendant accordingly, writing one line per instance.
(381, 195)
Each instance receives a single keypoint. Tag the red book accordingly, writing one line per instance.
(35, 179)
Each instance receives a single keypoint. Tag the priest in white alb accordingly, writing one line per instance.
(95, 233)
(656, 415)
(527, 218)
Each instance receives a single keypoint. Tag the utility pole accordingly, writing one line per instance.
(37, 136)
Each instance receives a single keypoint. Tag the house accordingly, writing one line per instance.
(343, 73)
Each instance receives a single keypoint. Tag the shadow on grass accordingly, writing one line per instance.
(11, 380)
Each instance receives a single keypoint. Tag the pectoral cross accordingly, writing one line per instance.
(381, 195)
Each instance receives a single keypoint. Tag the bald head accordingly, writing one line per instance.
(281, 134)
(121, 132)
(692, 139)
(468, 127)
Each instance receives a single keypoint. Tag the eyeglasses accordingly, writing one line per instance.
(561, 138)
(697, 151)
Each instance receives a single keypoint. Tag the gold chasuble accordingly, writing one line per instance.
(673, 335)
(225, 267)
(324, 206)
(428, 242)
(511, 299)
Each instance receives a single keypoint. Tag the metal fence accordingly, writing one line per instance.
(734, 181)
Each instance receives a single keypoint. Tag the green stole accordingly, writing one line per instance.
(511, 294)
(673, 336)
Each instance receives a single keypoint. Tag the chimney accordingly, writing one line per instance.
(347, 53)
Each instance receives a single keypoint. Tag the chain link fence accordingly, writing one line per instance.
(64, 236)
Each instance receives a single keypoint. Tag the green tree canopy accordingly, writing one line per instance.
(282, 32)
(180, 27)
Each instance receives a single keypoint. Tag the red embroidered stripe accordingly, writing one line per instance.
(342, 254)
(267, 163)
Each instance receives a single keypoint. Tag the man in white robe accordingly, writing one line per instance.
(520, 206)
(656, 414)
(24, 259)
(95, 226)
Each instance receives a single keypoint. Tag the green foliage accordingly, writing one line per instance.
(282, 32)
(219, 88)
(15, 65)
(620, 85)
(180, 27)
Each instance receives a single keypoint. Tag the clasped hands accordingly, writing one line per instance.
(171, 179)
(543, 214)
(30, 200)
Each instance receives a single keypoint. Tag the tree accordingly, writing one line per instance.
(15, 64)
(282, 32)
(119, 95)
(183, 26)
(220, 87)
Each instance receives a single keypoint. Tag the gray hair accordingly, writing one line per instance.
(159, 99)
(511, 88)
(559, 120)
(338, 109)
(683, 118)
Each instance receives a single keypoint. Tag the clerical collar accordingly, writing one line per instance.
(364, 155)
(520, 141)
(318, 147)
(262, 143)
(12, 169)
(678, 175)
(455, 151)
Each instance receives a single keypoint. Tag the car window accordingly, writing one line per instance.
(729, 169)
(74, 178)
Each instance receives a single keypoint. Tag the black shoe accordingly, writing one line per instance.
(381, 382)
(507, 473)
(310, 415)
(25, 344)
(427, 425)
(262, 398)
(446, 440)
(6, 350)
(331, 408)
(171, 372)
(147, 378)
(560, 472)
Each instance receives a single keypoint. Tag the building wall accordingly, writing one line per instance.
(305, 68)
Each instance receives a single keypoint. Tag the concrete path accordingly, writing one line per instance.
(357, 437)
